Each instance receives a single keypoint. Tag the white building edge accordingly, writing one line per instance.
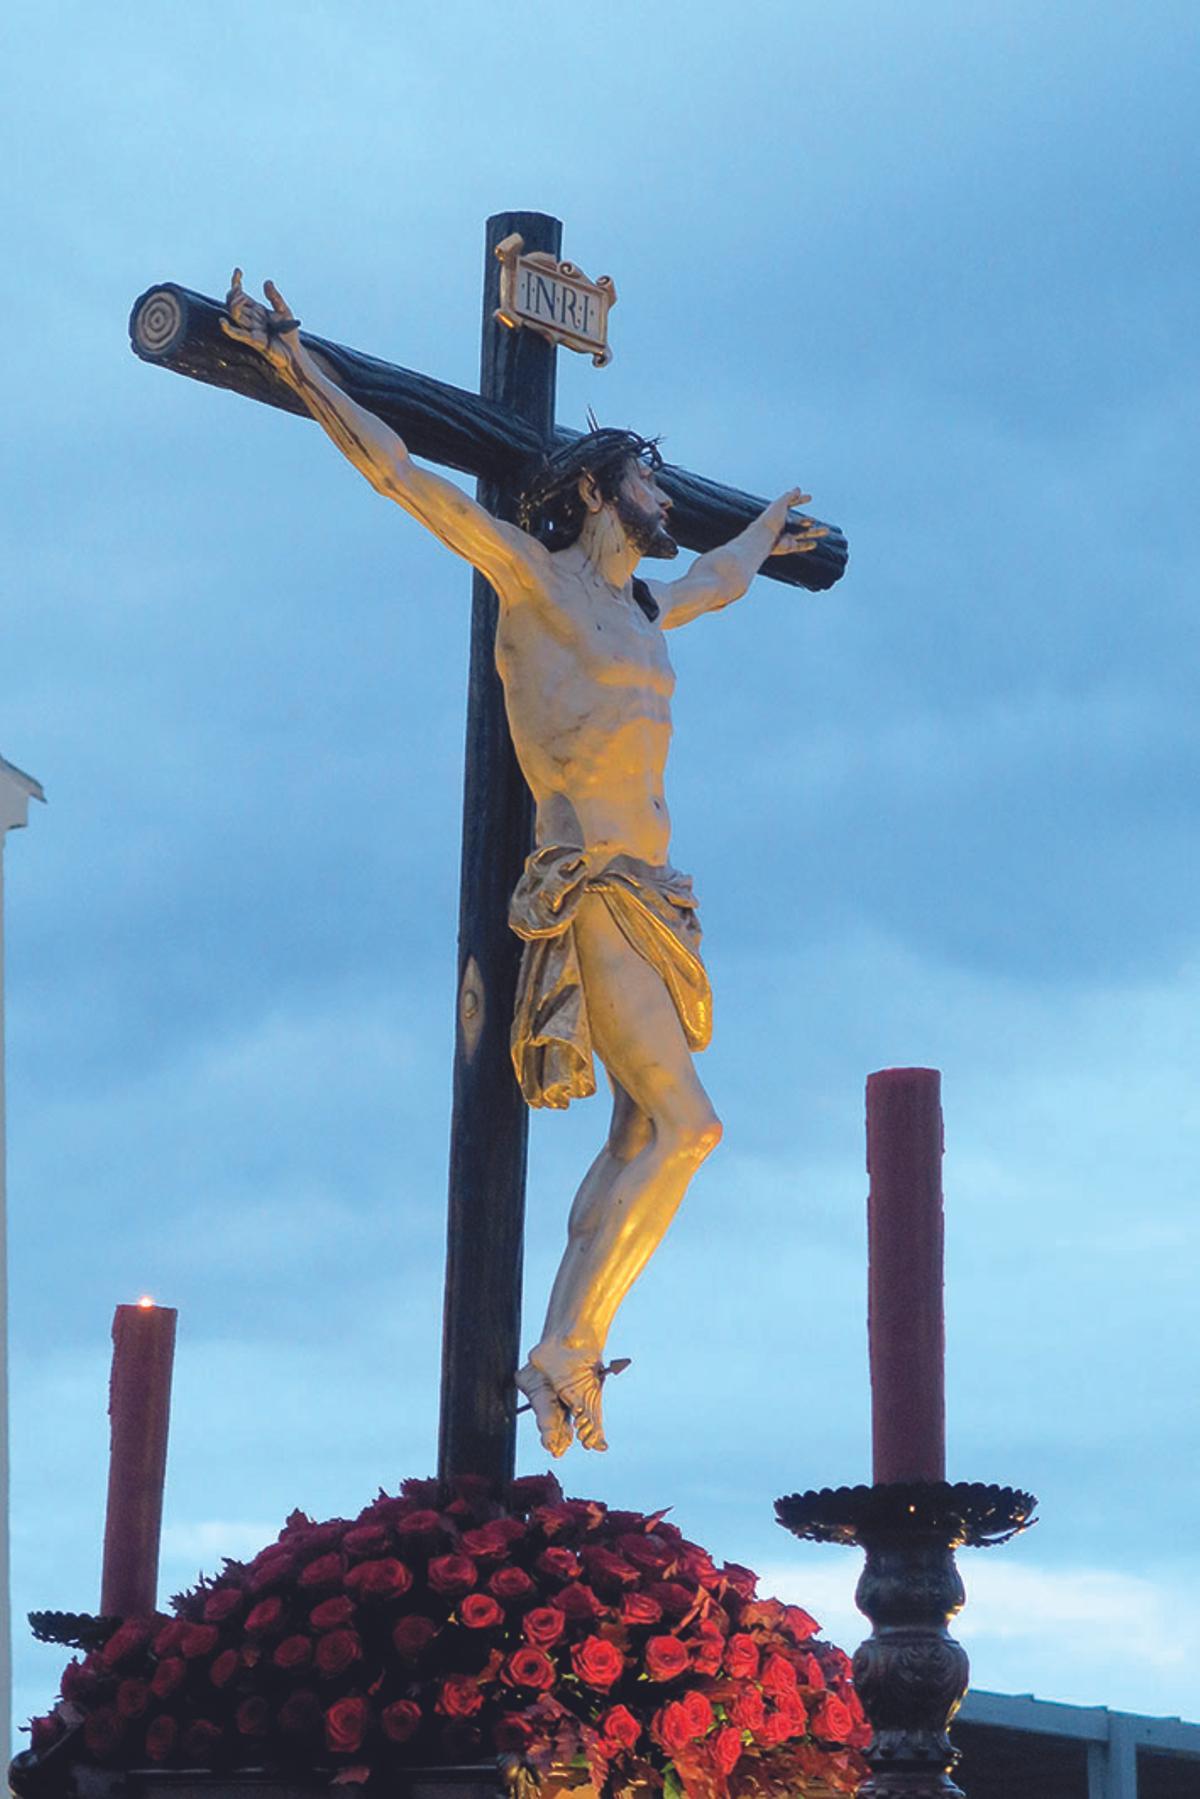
(16, 791)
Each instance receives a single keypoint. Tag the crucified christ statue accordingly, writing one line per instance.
(612, 942)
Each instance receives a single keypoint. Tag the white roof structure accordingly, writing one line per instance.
(16, 790)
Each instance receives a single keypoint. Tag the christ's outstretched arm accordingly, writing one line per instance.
(723, 575)
(506, 555)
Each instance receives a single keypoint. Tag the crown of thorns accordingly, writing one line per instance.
(551, 505)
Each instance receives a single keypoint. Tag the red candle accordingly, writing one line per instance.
(139, 1409)
(906, 1322)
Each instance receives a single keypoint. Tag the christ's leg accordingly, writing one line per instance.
(628, 1133)
(664, 1126)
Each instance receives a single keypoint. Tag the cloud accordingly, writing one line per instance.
(1083, 1635)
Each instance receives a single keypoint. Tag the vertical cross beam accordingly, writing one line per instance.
(489, 1125)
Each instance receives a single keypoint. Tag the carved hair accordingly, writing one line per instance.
(552, 507)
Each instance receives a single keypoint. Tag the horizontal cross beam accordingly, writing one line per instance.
(181, 330)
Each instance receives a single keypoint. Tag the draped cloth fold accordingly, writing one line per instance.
(655, 909)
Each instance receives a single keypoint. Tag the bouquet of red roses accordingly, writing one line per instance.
(586, 1644)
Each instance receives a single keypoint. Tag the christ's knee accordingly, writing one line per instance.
(693, 1136)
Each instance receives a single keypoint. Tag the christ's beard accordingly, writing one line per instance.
(645, 529)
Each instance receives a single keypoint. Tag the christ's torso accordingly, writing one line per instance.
(588, 684)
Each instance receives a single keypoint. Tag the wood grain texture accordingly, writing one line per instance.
(490, 1124)
(474, 433)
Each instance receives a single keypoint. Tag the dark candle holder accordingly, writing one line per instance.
(910, 1674)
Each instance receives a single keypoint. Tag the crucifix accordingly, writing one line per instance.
(575, 933)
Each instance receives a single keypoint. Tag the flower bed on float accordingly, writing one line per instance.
(593, 1645)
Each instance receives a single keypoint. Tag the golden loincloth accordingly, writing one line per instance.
(656, 910)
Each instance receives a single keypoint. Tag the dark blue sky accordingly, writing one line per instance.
(939, 266)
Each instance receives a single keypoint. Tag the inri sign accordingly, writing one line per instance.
(555, 299)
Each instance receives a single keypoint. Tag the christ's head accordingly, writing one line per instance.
(605, 469)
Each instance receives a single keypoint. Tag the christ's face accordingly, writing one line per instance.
(642, 507)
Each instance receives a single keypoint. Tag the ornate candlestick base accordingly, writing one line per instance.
(911, 1675)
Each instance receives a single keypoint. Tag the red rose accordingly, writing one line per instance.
(417, 1490)
(79, 1678)
(202, 1741)
(727, 1748)
(706, 1655)
(295, 1652)
(777, 1727)
(666, 1658)
(598, 1662)
(336, 1650)
(412, 1635)
(303, 1536)
(529, 1667)
(832, 1720)
(646, 1551)
(366, 1540)
(490, 1540)
(798, 1624)
(559, 1564)
(326, 1571)
(532, 1490)
(636, 1608)
(167, 1676)
(791, 1707)
(814, 1673)
(420, 1524)
(102, 1731)
(741, 1656)
(765, 1613)
(696, 1565)
(331, 1613)
(126, 1640)
(198, 1640)
(748, 1711)
(479, 1611)
(452, 1574)
(266, 1617)
(740, 1580)
(133, 1696)
(620, 1728)
(675, 1600)
(160, 1738)
(44, 1732)
(253, 1717)
(224, 1603)
(168, 1638)
(225, 1667)
(346, 1725)
(460, 1696)
(513, 1734)
(510, 1583)
(401, 1720)
(778, 1675)
(606, 1569)
(670, 1727)
(544, 1625)
(699, 1712)
(300, 1713)
(273, 1569)
(578, 1603)
(385, 1579)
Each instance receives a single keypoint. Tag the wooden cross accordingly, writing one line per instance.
(493, 435)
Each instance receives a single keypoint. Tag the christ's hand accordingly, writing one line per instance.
(792, 535)
(273, 333)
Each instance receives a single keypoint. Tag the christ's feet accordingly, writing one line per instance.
(550, 1414)
(575, 1380)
